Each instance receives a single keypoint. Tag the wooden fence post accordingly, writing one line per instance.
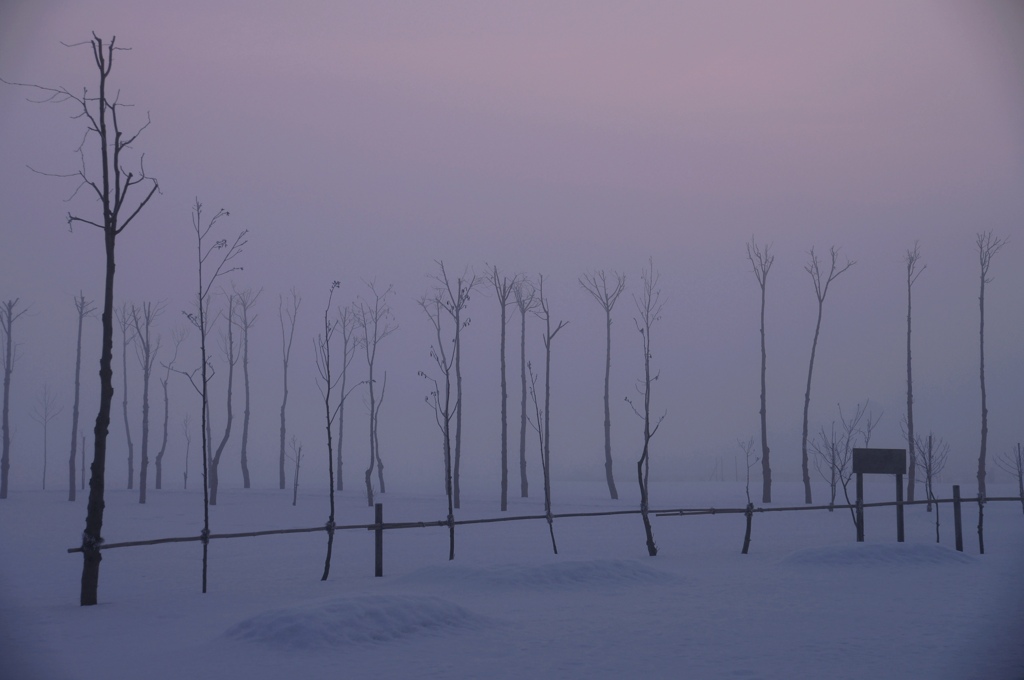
(899, 508)
(750, 516)
(981, 524)
(958, 528)
(860, 507)
(378, 535)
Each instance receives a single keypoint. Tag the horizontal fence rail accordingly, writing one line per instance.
(671, 512)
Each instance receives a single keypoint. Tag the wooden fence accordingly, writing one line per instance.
(379, 526)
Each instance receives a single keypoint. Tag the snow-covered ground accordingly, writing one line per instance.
(807, 602)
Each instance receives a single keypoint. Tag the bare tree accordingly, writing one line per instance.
(833, 450)
(347, 323)
(455, 297)
(376, 322)
(287, 317)
(9, 313)
(178, 336)
(45, 410)
(988, 245)
(84, 308)
(231, 357)
(441, 399)
(821, 282)
(912, 259)
(245, 319)
(545, 459)
(146, 351)
(933, 461)
(297, 455)
(761, 261)
(649, 305)
(124, 320)
(1013, 464)
(326, 383)
(526, 300)
(186, 430)
(544, 312)
(222, 266)
(503, 287)
(751, 460)
(111, 188)
(606, 290)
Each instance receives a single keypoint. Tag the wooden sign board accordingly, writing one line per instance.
(880, 461)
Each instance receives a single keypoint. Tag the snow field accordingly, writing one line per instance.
(807, 602)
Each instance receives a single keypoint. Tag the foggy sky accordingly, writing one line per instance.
(360, 141)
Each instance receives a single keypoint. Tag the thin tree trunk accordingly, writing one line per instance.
(163, 440)
(504, 417)
(458, 402)
(144, 453)
(807, 407)
(215, 463)
(911, 453)
(295, 482)
(524, 483)
(373, 453)
(984, 403)
(341, 434)
(376, 437)
(83, 309)
(124, 400)
(609, 472)
(766, 468)
(245, 413)
(5, 459)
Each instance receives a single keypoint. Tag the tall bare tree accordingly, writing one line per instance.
(84, 308)
(45, 410)
(111, 188)
(376, 322)
(178, 336)
(186, 430)
(220, 254)
(648, 305)
(912, 260)
(761, 260)
(441, 399)
(349, 344)
(988, 245)
(326, 383)
(9, 313)
(544, 312)
(503, 287)
(933, 462)
(455, 298)
(606, 290)
(545, 459)
(287, 317)
(124, 320)
(245, 318)
(526, 301)
(821, 281)
(231, 358)
(297, 455)
(146, 350)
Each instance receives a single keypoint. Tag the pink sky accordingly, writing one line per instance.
(360, 140)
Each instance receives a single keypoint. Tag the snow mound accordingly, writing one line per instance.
(558, 575)
(354, 621)
(873, 554)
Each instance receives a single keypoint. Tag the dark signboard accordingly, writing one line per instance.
(880, 461)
